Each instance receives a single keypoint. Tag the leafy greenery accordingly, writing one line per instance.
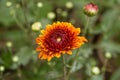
(18, 58)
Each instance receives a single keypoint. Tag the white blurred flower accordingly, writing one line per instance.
(95, 70)
(108, 55)
(69, 5)
(36, 26)
(9, 44)
(2, 68)
(39, 4)
(15, 58)
(8, 3)
(51, 15)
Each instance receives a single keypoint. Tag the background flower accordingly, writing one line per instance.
(91, 9)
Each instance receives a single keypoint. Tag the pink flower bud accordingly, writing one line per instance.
(90, 9)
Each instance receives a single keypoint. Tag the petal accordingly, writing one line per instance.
(57, 55)
(78, 31)
(42, 31)
(69, 52)
(40, 55)
(38, 48)
(82, 38)
(49, 58)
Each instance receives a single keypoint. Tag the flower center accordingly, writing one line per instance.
(58, 39)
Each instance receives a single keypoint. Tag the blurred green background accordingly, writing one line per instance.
(99, 59)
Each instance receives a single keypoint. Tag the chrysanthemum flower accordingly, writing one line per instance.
(90, 9)
(58, 38)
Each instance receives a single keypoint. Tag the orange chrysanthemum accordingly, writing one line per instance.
(57, 39)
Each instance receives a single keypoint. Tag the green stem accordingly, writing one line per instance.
(19, 74)
(1, 75)
(84, 33)
(86, 26)
(25, 13)
(77, 51)
(17, 21)
(64, 68)
(104, 66)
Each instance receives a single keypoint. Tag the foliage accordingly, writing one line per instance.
(18, 58)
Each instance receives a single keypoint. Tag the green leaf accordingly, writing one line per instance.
(6, 59)
(110, 46)
(76, 66)
(43, 11)
(24, 56)
(116, 75)
(80, 59)
(109, 18)
(97, 77)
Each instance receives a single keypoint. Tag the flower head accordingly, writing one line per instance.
(90, 9)
(58, 38)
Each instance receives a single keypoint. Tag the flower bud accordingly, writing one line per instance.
(2, 68)
(90, 9)
(69, 5)
(36, 26)
(64, 14)
(108, 55)
(8, 4)
(17, 5)
(51, 15)
(39, 4)
(95, 70)
(15, 58)
(9, 44)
